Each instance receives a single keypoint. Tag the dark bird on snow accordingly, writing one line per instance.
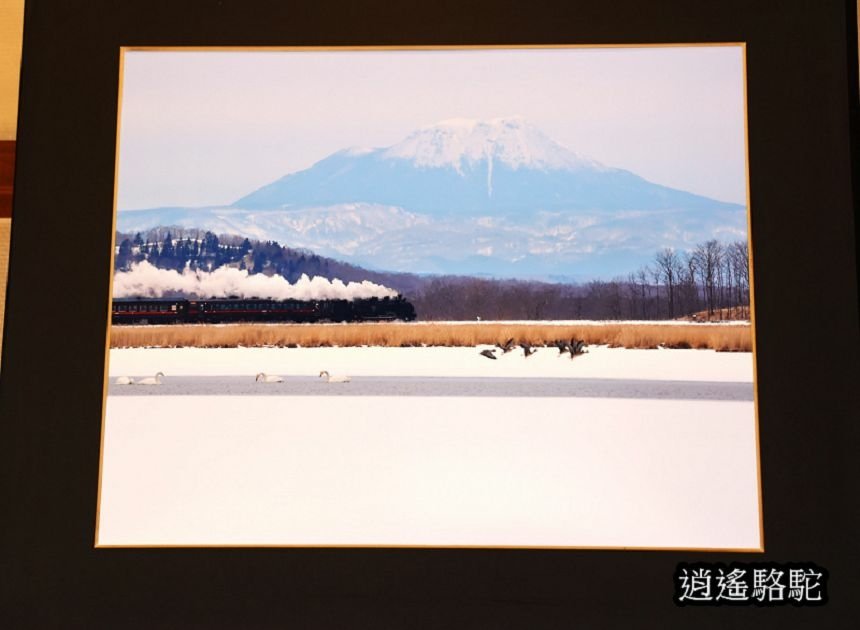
(527, 349)
(507, 346)
(489, 354)
(577, 348)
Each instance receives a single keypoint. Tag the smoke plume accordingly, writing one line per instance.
(146, 280)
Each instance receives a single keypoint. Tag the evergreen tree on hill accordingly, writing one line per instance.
(123, 258)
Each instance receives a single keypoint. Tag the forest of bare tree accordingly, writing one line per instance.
(711, 281)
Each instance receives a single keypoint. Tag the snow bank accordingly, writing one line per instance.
(599, 362)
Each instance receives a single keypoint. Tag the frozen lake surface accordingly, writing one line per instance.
(429, 470)
(431, 447)
(497, 387)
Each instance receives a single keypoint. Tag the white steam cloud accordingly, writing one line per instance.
(146, 280)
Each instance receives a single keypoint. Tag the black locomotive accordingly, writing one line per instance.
(225, 310)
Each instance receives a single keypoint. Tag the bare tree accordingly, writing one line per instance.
(691, 289)
(633, 297)
(708, 257)
(644, 291)
(739, 252)
(666, 262)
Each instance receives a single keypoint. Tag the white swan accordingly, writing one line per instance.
(269, 378)
(334, 379)
(152, 380)
(124, 380)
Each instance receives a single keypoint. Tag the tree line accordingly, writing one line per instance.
(168, 251)
(709, 281)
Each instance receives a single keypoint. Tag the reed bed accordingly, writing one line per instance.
(727, 338)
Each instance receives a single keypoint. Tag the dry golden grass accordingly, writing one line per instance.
(727, 338)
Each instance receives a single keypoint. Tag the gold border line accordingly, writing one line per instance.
(440, 547)
(752, 304)
(431, 47)
(234, 49)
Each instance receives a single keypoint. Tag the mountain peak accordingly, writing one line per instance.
(355, 151)
(471, 123)
(510, 140)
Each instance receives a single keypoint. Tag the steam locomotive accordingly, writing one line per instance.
(225, 310)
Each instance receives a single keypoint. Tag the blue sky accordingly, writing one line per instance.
(207, 127)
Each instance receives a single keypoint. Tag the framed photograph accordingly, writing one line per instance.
(468, 336)
(410, 304)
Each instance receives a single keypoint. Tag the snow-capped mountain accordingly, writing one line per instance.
(461, 142)
(467, 196)
(466, 167)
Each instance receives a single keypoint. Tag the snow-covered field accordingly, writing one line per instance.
(438, 471)
(599, 362)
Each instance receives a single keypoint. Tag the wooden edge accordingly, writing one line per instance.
(7, 174)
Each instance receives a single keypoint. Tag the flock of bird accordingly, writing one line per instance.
(262, 377)
(329, 378)
(574, 347)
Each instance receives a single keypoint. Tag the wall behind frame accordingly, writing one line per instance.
(11, 30)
